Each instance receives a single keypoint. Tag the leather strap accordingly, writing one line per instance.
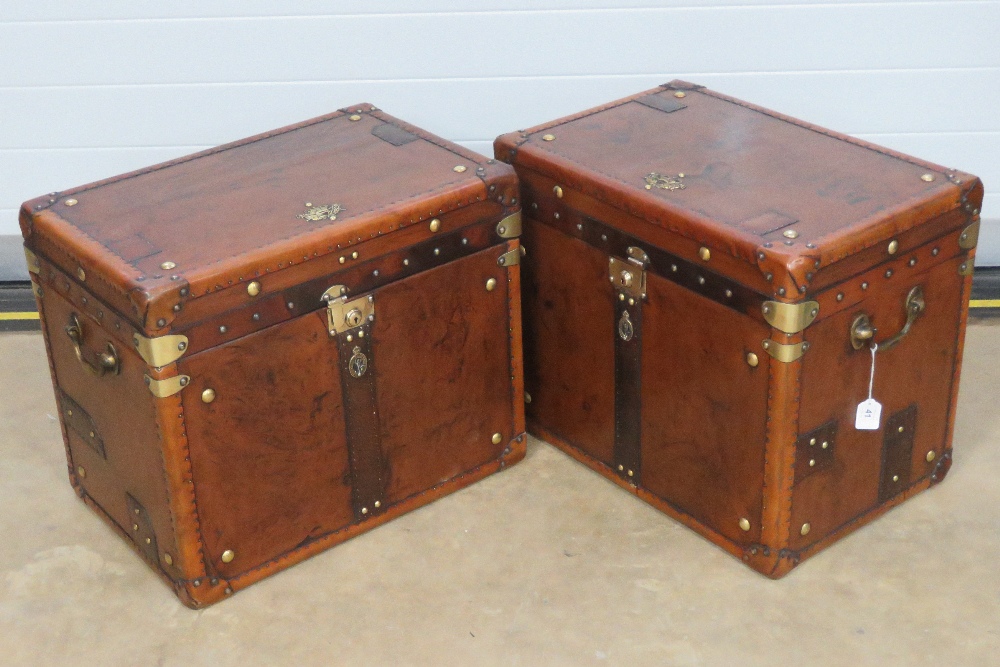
(897, 452)
(628, 386)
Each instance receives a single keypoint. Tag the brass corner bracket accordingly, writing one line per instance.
(32, 260)
(790, 317)
(510, 227)
(162, 350)
(783, 352)
(512, 257)
(969, 237)
(168, 386)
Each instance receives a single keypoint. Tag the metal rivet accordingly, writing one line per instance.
(935, 251)
(790, 234)
(840, 296)
(631, 473)
(459, 169)
(256, 317)
(548, 137)
(888, 273)
(70, 202)
(208, 395)
(621, 468)
(364, 510)
(81, 274)
(631, 302)
(812, 463)
(729, 294)
(354, 255)
(913, 261)
(744, 524)
(169, 560)
(893, 247)
(705, 253)
(927, 177)
(437, 251)
(350, 338)
(752, 360)
(161, 322)
(805, 529)
(136, 510)
(184, 381)
(701, 280)
(375, 273)
(465, 241)
(435, 225)
(556, 215)
(355, 117)
(604, 237)
(491, 284)
(680, 93)
(343, 259)
(290, 305)
(81, 471)
(406, 262)
(781, 291)
(930, 456)
(361, 334)
(497, 438)
(223, 329)
(135, 526)
(825, 444)
(558, 191)
(92, 434)
(149, 540)
(527, 397)
(895, 478)
(166, 266)
(69, 413)
(228, 556)
(900, 429)
(864, 285)
(253, 289)
(812, 441)
(378, 503)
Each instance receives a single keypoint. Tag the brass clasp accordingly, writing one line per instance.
(343, 315)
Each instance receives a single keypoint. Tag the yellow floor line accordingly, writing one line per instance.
(984, 303)
(18, 316)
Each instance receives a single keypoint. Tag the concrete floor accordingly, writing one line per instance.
(544, 564)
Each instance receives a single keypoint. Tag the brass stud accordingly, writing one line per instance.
(81, 274)
(812, 463)
(435, 225)
(558, 192)
(840, 296)
(631, 473)
(812, 441)
(378, 503)
(497, 438)
(168, 559)
(680, 94)
(491, 284)
(70, 202)
(705, 253)
(343, 259)
(166, 266)
(69, 413)
(825, 444)
(527, 397)
(930, 456)
(900, 429)
(790, 234)
(621, 468)
(364, 510)
(354, 117)
(864, 285)
(81, 471)
(804, 530)
(895, 478)
(927, 178)
(752, 360)
(208, 395)
(354, 255)
(253, 289)
(228, 556)
(893, 247)
(548, 137)
(888, 273)
(745, 525)
(149, 540)
(459, 169)
(135, 526)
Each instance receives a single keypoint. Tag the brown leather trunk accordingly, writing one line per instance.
(697, 267)
(264, 349)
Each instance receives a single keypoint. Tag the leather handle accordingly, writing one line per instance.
(863, 331)
(107, 362)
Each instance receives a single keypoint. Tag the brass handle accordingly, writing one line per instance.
(108, 360)
(862, 329)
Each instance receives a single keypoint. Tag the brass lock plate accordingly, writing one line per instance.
(344, 315)
(627, 277)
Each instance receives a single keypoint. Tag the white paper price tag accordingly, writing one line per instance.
(869, 415)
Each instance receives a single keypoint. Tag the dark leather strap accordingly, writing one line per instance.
(628, 386)
(897, 452)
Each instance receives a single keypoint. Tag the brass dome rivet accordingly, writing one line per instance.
(527, 397)
(168, 559)
(548, 137)
(491, 284)
(893, 247)
(825, 444)
(166, 266)
(621, 468)
(864, 285)
(930, 456)
(81, 274)
(790, 234)
(812, 463)
(752, 360)
(927, 178)
(354, 255)
(680, 94)
(81, 471)
(744, 525)
(228, 556)
(435, 225)
(253, 289)
(631, 473)
(705, 253)
(343, 259)
(378, 503)
(558, 191)
(364, 510)
(208, 395)
(69, 413)
(812, 441)
(497, 438)
(149, 541)
(70, 202)
(135, 526)
(805, 529)
(895, 478)
(900, 429)
(354, 117)
(459, 169)
(840, 296)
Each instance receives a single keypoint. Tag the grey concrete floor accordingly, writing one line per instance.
(546, 563)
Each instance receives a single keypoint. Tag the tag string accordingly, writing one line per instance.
(871, 378)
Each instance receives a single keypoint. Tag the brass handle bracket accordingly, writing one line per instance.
(862, 330)
(108, 361)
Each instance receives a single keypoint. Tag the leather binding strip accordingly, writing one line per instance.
(628, 384)
(78, 421)
(814, 450)
(368, 466)
(140, 528)
(897, 452)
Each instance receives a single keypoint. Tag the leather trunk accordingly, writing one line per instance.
(704, 284)
(264, 349)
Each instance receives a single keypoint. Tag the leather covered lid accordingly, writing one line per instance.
(229, 215)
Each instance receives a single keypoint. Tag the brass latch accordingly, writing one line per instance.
(343, 315)
(629, 276)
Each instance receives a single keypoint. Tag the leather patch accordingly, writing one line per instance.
(393, 134)
(140, 528)
(368, 468)
(665, 104)
(78, 421)
(766, 223)
(897, 452)
(814, 450)
(133, 248)
(628, 383)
